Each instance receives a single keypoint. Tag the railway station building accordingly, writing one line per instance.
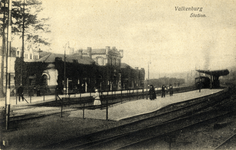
(81, 71)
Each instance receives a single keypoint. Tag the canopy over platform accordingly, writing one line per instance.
(216, 73)
(214, 76)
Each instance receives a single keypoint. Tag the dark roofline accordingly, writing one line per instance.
(69, 58)
(124, 65)
(215, 72)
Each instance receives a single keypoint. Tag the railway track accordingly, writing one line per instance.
(145, 125)
(165, 129)
(227, 144)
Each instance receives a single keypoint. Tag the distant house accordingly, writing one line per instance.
(30, 54)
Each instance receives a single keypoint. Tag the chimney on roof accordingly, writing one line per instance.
(107, 49)
(75, 61)
(89, 52)
(58, 59)
(121, 53)
(81, 53)
(113, 48)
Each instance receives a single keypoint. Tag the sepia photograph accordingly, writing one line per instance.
(118, 74)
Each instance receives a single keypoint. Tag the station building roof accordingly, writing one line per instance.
(215, 72)
(124, 65)
(50, 58)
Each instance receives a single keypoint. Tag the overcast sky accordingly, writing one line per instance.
(149, 30)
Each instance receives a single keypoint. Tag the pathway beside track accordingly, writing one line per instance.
(116, 112)
(142, 106)
(14, 100)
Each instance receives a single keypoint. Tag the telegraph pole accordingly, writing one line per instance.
(65, 81)
(8, 64)
(200, 84)
(3, 48)
(148, 71)
(23, 45)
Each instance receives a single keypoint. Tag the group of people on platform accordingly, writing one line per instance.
(152, 93)
(98, 96)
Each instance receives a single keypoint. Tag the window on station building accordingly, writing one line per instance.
(100, 61)
(18, 53)
(31, 56)
(118, 62)
(105, 61)
(26, 56)
(109, 61)
(36, 57)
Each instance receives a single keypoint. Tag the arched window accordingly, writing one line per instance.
(45, 79)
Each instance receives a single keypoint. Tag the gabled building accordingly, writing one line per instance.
(102, 57)
(30, 54)
(110, 57)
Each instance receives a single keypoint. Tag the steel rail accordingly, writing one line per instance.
(225, 141)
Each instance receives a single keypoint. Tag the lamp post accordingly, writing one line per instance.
(65, 80)
(149, 62)
(200, 84)
(8, 61)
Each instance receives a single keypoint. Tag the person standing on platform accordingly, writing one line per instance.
(35, 90)
(101, 98)
(171, 90)
(163, 88)
(152, 93)
(56, 92)
(20, 92)
(97, 100)
(38, 90)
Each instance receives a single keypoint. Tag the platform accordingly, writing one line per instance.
(141, 106)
